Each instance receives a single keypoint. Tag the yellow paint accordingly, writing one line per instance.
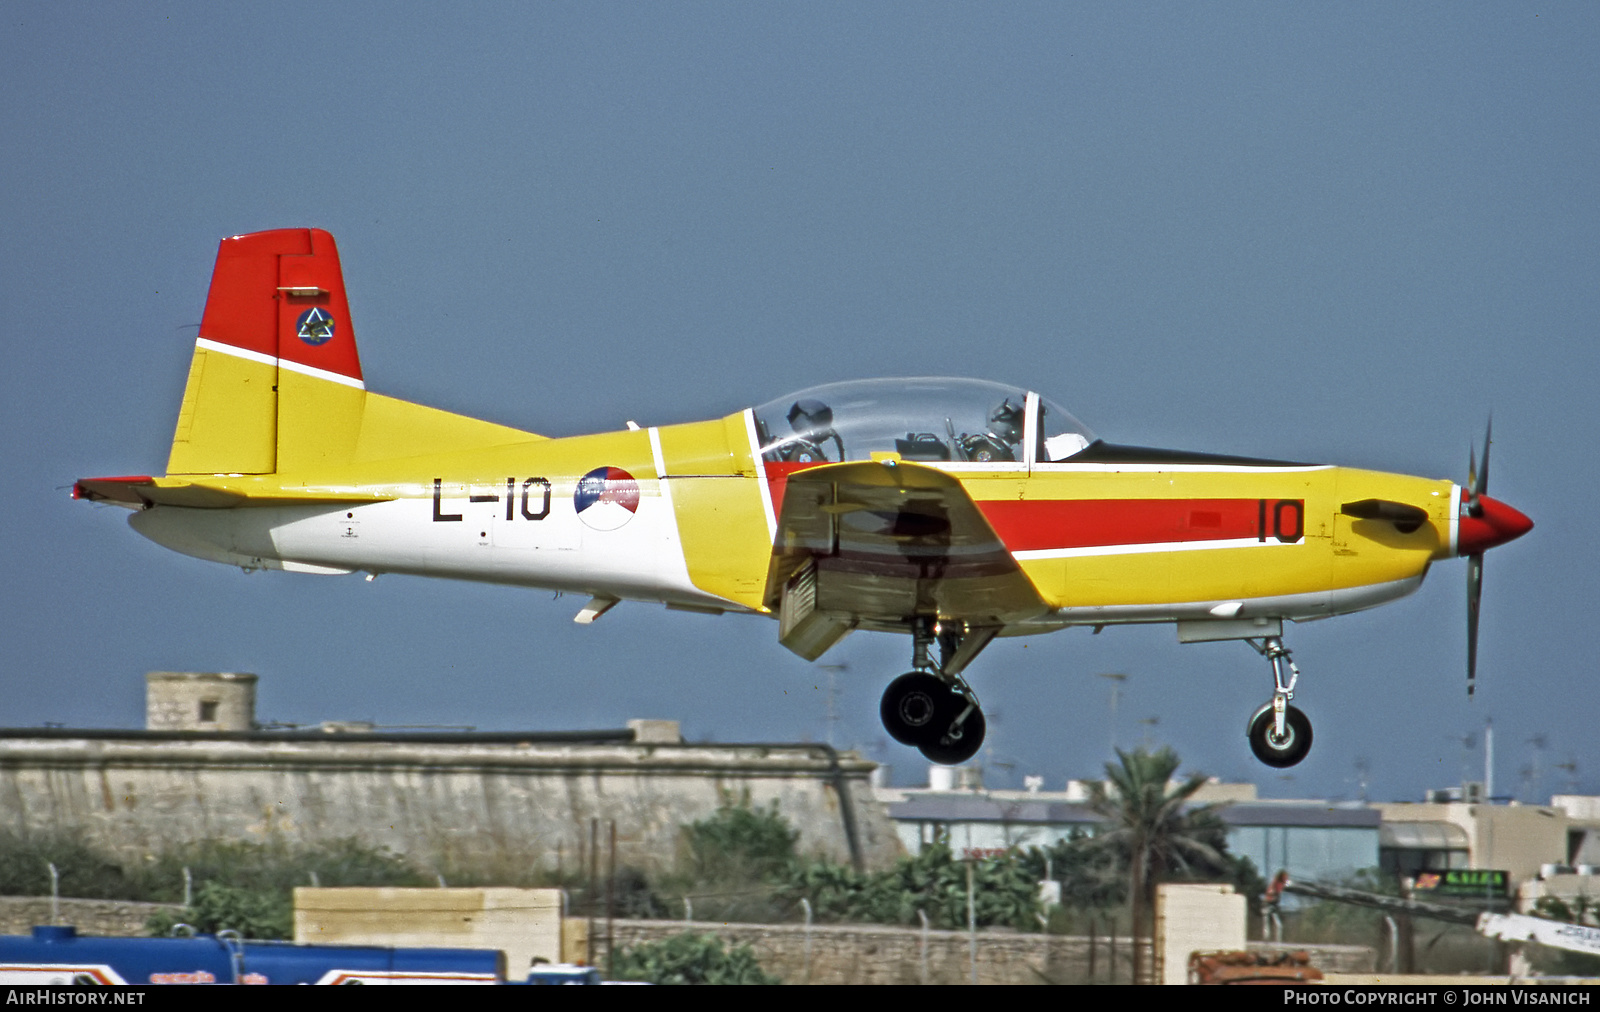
(227, 424)
(318, 421)
(242, 417)
(703, 448)
(561, 461)
(1330, 556)
(392, 429)
(314, 439)
(721, 522)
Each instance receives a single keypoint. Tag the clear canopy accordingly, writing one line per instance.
(923, 419)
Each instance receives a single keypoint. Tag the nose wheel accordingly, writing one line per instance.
(931, 708)
(1277, 749)
(1279, 734)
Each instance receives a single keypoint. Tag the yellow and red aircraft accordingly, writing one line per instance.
(950, 510)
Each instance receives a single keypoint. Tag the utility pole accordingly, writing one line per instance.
(1116, 678)
(833, 695)
(1488, 760)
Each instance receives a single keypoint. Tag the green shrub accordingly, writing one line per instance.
(729, 862)
(254, 913)
(25, 868)
(740, 844)
(1091, 877)
(239, 885)
(1004, 891)
(690, 958)
(275, 866)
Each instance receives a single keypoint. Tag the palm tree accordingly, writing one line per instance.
(1155, 828)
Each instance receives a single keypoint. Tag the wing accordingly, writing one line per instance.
(875, 545)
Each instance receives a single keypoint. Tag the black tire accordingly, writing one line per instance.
(963, 748)
(916, 708)
(1285, 753)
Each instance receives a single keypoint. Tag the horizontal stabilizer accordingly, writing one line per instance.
(141, 491)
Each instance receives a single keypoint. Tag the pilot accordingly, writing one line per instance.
(1006, 421)
(812, 422)
(1004, 436)
(811, 419)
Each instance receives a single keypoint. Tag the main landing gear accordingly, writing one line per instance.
(1280, 735)
(931, 707)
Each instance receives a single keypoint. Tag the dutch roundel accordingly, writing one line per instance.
(606, 498)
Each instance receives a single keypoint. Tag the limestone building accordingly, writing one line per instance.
(497, 801)
(199, 701)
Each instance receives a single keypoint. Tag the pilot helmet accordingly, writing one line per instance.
(1005, 421)
(811, 419)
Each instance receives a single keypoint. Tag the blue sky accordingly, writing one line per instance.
(1343, 233)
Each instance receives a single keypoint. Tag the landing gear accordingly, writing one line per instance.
(931, 707)
(960, 743)
(1280, 735)
(912, 706)
(1280, 750)
(924, 711)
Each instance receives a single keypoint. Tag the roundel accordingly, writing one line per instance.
(606, 498)
(314, 327)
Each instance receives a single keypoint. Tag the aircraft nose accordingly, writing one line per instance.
(1495, 524)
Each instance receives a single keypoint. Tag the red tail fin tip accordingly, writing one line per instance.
(279, 297)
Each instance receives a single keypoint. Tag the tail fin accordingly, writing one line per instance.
(275, 383)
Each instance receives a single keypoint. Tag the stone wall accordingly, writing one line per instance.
(500, 807)
(114, 918)
(872, 954)
(826, 954)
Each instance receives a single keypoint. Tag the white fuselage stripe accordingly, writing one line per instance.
(281, 363)
(657, 457)
(1295, 607)
(1067, 466)
(761, 472)
(1455, 518)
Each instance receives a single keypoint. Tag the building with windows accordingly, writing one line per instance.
(1309, 839)
(1528, 850)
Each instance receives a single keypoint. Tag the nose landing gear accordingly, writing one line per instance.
(1280, 735)
(931, 707)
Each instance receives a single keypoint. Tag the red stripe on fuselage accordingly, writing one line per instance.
(1044, 524)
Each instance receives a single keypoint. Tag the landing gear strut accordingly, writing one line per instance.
(931, 707)
(1280, 735)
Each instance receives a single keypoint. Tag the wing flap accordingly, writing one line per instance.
(891, 541)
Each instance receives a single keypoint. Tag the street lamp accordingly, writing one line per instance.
(1116, 678)
(833, 692)
(1149, 729)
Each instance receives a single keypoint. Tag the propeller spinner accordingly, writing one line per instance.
(1484, 524)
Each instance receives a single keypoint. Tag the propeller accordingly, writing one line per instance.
(1484, 523)
(1478, 482)
(1481, 524)
(1474, 593)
